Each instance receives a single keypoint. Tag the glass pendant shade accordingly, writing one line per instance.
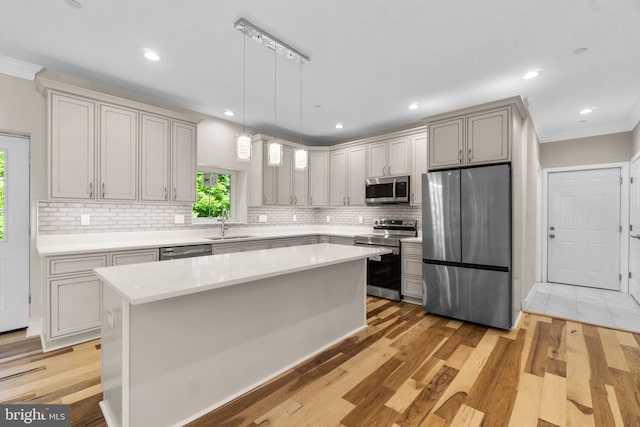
(275, 154)
(301, 159)
(243, 148)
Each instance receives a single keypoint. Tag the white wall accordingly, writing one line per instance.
(636, 139)
(22, 112)
(611, 148)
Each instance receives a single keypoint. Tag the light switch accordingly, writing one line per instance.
(294, 218)
(360, 220)
(85, 219)
(328, 218)
(179, 219)
(262, 218)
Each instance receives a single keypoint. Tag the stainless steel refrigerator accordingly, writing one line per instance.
(466, 244)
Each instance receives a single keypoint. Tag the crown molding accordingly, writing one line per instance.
(17, 68)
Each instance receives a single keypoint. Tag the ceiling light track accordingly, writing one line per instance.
(264, 38)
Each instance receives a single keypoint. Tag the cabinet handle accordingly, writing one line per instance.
(166, 193)
(413, 197)
(264, 199)
(311, 200)
(469, 156)
(460, 155)
(348, 200)
(290, 200)
(91, 190)
(389, 170)
(102, 190)
(175, 193)
(344, 200)
(383, 172)
(295, 200)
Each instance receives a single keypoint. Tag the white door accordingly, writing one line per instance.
(634, 241)
(14, 232)
(583, 233)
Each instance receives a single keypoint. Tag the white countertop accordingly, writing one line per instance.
(412, 240)
(155, 281)
(68, 244)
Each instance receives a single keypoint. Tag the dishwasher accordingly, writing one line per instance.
(177, 252)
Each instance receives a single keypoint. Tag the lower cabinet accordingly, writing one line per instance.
(75, 305)
(412, 272)
(349, 241)
(311, 240)
(255, 245)
(295, 241)
(277, 243)
(228, 248)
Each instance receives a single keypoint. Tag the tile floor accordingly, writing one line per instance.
(597, 306)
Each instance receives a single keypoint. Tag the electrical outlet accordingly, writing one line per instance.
(328, 218)
(360, 220)
(179, 219)
(294, 218)
(262, 218)
(85, 219)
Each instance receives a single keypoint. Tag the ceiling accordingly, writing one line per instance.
(370, 59)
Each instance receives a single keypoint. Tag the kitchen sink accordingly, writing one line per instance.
(228, 237)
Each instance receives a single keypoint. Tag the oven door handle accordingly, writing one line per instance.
(376, 258)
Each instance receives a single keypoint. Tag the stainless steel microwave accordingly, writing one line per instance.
(387, 189)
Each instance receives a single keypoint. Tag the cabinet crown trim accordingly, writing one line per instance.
(515, 101)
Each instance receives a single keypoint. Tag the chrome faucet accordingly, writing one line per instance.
(223, 225)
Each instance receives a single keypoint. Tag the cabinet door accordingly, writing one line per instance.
(377, 160)
(446, 143)
(154, 158)
(75, 305)
(134, 257)
(412, 287)
(183, 162)
(279, 243)
(488, 137)
(338, 175)
(227, 248)
(398, 161)
(356, 168)
(269, 179)
(300, 186)
(336, 240)
(318, 178)
(118, 153)
(73, 142)
(296, 241)
(255, 246)
(285, 178)
(418, 166)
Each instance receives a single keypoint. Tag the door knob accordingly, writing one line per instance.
(552, 228)
(551, 236)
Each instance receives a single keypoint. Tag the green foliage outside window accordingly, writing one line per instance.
(211, 201)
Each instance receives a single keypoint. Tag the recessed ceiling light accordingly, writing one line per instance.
(151, 55)
(413, 106)
(586, 110)
(74, 4)
(339, 126)
(228, 113)
(532, 74)
(580, 50)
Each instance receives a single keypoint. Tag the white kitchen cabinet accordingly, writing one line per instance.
(347, 173)
(471, 139)
(75, 305)
(388, 158)
(311, 240)
(412, 272)
(255, 245)
(300, 186)
(318, 178)
(349, 241)
(133, 257)
(356, 176)
(72, 145)
(269, 180)
(295, 241)
(418, 167)
(227, 248)
(285, 178)
(118, 153)
(324, 239)
(277, 243)
(154, 158)
(183, 162)
(338, 178)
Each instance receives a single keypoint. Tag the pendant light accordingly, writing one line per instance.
(301, 156)
(243, 142)
(274, 154)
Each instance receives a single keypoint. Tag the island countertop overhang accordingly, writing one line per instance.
(155, 281)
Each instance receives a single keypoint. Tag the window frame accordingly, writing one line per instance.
(233, 208)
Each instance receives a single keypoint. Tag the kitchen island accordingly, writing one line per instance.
(182, 337)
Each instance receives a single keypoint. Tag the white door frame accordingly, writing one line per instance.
(624, 216)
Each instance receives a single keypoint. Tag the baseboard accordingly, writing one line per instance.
(108, 415)
(34, 328)
(526, 301)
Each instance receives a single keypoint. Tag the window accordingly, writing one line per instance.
(213, 191)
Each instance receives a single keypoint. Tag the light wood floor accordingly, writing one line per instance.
(406, 369)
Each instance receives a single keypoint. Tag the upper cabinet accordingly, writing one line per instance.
(388, 158)
(470, 139)
(418, 167)
(318, 178)
(72, 136)
(284, 185)
(347, 171)
(104, 151)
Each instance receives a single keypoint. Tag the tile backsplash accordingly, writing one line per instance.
(64, 217)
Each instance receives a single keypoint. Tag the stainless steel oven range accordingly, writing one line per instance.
(384, 273)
